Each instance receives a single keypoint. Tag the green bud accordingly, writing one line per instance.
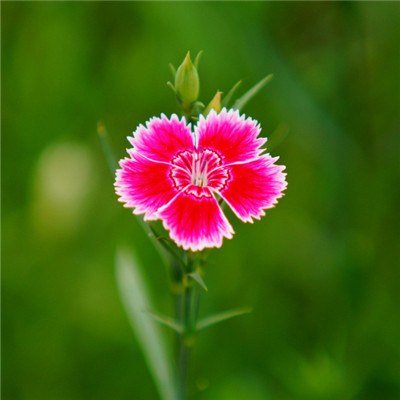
(187, 84)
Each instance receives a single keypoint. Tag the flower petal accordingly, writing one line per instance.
(232, 136)
(195, 219)
(253, 187)
(144, 185)
(162, 138)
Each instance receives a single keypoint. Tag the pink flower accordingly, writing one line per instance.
(177, 176)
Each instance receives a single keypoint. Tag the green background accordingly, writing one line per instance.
(321, 270)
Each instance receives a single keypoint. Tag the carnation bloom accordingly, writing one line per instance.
(178, 176)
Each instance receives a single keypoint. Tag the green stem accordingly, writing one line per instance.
(189, 311)
(183, 368)
(178, 317)
(184, 350)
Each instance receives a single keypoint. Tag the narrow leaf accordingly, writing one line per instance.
(214, 319)
(242, 101)
(165, 321)
(105, 144)
(227, 99)
(199, 280)
(173, 70)
(135, 297)
(171, 86)
(197, 59)
(199, 104)
(165, 243)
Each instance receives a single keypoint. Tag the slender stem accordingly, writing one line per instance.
(178, 317)
(183, 364)
(185, 339)
(196, 303)
(188, 313)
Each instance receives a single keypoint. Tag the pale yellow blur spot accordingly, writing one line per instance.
(62, 185)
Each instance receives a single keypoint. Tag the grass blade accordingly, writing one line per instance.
(199, 280)
(105, 144)
(214, 319)
(242, 101)
(173, 70)
(227, 99)
(197, 59)
(135, 297)
(166, 321)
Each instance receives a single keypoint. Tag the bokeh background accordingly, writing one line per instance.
(321, 270)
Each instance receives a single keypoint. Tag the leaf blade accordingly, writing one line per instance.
(135, 297)
(106, 146)
(173, 70)
(243, 100)
(227, 99)
(197, 59)
(166, 321)
(223, 316)
(195, 276)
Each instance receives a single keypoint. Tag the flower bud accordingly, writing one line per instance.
(215, 104)
(187, 82)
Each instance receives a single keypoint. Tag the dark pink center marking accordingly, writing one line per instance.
(199, 169)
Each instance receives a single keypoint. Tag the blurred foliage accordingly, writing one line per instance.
(321, 270)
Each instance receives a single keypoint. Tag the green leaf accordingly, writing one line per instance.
(135, 297)
(105, 144)
(198, 107)
(199, 280)
(197, 59)
(214, 319)
(171, 323)
(167, 244)
(169, 84)
(173, 70)
(242, 101)
(227, 99)
(199, 104)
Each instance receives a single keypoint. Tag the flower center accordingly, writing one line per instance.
(201, 168)
(200, 162)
